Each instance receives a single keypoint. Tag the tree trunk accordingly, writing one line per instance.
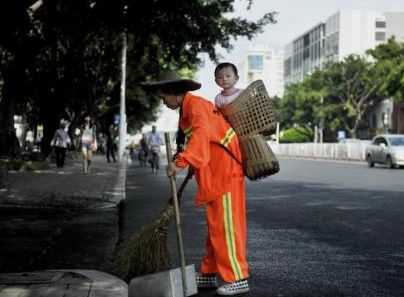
(10, 145)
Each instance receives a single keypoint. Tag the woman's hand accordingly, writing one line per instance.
(172, 169)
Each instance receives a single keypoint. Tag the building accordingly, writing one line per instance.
(266, 63)
(341, 34)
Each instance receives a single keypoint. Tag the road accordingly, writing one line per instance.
(316, 228)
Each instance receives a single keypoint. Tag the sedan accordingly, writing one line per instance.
(386, 149)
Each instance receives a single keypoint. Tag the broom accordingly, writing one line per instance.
(147, 252)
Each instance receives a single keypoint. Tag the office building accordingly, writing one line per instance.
(343, 33)
(266, 63)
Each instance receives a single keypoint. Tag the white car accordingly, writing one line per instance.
(386, 149)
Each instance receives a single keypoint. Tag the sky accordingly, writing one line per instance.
(293, 19)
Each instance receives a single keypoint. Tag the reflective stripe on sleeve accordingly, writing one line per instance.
(188, 132)
(229, 136)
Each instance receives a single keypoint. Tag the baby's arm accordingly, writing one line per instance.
(219, 101)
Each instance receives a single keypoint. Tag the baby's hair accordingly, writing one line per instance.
(224, 65)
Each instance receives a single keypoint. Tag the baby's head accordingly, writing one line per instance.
(226, 75)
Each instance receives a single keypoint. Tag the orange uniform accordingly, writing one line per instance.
(220, 181)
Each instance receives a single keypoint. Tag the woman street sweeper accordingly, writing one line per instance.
(212, 151)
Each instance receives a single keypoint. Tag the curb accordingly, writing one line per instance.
(65, 282)
(117, 194)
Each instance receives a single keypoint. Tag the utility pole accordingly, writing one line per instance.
(277, 132)
(122, 109)
(321, 130)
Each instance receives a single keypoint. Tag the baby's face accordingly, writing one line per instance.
(226, 78)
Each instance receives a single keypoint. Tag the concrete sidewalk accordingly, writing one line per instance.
(68, 186)
(60, 283)
(49, 191)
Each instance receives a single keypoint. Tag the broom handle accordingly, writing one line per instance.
(177, 216)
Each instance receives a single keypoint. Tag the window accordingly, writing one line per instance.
(255, 62)
(288, 66)
(384, 141)
(380, 36)
(380, 24)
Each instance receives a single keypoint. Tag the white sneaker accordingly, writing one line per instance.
(235, 288)
(206, 280)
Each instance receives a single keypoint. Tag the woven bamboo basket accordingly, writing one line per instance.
(252, 111)
(259, 161)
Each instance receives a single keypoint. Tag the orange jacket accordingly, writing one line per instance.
(207, 132)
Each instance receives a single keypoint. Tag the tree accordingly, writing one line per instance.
(334, 97)
(76, 61)
(390, 67)
(15, 39)
(301, 105)
(352, 87)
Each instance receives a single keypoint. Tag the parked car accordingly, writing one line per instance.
(386, 149)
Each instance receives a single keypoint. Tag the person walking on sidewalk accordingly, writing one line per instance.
(212, 151)
(154, 143)
(61, 141)
(88, 142)
(143, 151)
(111, 144)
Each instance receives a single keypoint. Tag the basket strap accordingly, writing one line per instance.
(231, 154)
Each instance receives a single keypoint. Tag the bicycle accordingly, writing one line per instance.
(142, 156)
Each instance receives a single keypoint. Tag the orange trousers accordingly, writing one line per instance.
(226, 241)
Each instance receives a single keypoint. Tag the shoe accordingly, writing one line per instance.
(206, 280)
(235, 288)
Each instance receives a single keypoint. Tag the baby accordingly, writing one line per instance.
(226, 77)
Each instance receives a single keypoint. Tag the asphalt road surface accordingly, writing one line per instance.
(316, 228)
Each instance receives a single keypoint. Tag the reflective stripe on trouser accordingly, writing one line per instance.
(226, 242)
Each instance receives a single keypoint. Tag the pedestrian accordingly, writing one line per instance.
(88, 142)
(61, 141)
(212, 151)
(111, 144)
(226, 77)
(154, 143)
(143, 151)
(132, 151)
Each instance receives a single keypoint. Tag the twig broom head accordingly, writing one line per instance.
(146, 252)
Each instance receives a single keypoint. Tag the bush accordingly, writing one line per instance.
(296, 135)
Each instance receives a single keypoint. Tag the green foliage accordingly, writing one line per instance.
(296, 135)
(390, 67)
(65, 58)
(335, 97)
(352, 88)
(301, 104)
